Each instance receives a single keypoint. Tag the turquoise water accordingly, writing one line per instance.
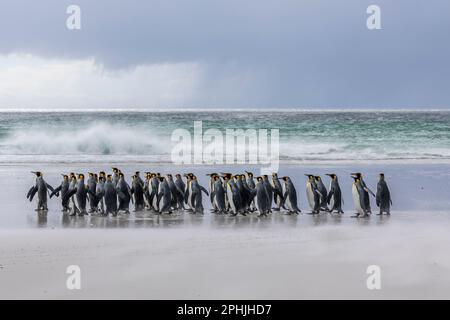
(145, 135)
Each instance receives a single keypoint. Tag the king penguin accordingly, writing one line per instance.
(110, 196)
(290, 196)
(63, 188)
(323, 193)
(334, 198)
(312, 194)
(262, 201)
(358, 194)
(383, 197)
(41, 187)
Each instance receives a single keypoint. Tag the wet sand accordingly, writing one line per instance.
(183, 256)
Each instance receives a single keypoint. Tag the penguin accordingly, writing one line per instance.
(154, 187)
(249, 198)
(212, 181)
(226, 177)
(72, 186)
(312, 194)
(41, 188)
(290, 196)
(234, 197)
(383, 197)
(358, 194)
(147, 188)
(92, 186)
(334, 198)
(100, 193)
(277, 192)
(251, 185)
(262, 199)
(197, 190)
(188, 196)
(269, 189)
(110, 196)
(173, 191)
(323, 193)
(137, 191)
(181, 187)
(366, 191)
(124, 194)
(164, 196)
(218, 194)
(243, 193)
(63, 188)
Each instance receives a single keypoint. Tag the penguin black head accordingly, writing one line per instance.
(317, 178)
(274, 174)
(216, 177)
(137, 173)
(90, 174)
(259, 179)
(169, 175)
(115, 170)
(102, 174)
(381, 176)
(237, 176)
(249, 174)
(37, 173)
(285, 178)
(243, 176)
(331, 175)
(121, 174)
(65, 176)
(109, 177)
(177, 175)
(80, 176)
(357, 174)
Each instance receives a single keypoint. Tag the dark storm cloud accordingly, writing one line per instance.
(311, 53)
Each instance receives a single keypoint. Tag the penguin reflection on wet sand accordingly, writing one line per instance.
(41, 188)
(334, 198)
(383, 196)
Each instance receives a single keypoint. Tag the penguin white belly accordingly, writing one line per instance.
(356, 200)
(230, 199)
(310, 195)
(332, 198)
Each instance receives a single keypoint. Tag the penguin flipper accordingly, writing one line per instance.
(32, 192)
(69, 194)
(55, 192)
(204, 190)
(121, 195)
(50, 187)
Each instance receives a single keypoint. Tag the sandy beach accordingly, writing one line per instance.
(183, 256)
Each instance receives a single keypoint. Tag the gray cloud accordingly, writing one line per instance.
(312, 53)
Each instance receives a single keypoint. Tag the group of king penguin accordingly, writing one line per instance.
(238, 194)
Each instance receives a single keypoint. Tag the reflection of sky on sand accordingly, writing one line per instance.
(187, 220)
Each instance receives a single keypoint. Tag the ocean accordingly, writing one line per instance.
(145, 136)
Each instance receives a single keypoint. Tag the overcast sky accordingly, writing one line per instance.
(221, 54)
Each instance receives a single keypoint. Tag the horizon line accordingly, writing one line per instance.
(169, 110)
